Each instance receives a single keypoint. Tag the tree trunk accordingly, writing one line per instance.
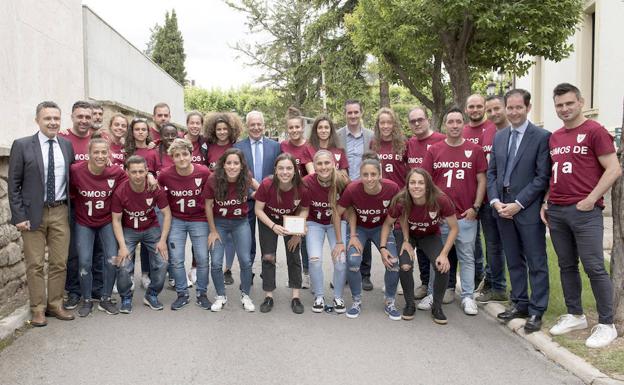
(384, 91)
(617, 253)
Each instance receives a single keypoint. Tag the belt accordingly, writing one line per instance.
(507, 190)
(55, 203)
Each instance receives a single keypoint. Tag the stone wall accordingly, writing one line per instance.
(13, 292)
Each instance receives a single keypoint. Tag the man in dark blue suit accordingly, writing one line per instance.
(260, 153)
(518, 176)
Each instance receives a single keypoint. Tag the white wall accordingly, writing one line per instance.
(41, 59)
(118, 71)
(609, 73)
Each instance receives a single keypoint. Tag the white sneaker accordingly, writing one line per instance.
(305, 281)
(219, 302)
(132, 280)
(602, 335)
(426, 303)
(189, 283)
(319, 305)
(247, 303)
(145, 281)
(193, 276)
(171, 282)
(470, 306)
(449, 296)
(567, 323)
(115, 288)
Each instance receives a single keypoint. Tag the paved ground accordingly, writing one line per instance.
(194, 346)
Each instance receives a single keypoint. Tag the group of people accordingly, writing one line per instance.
(424, 200)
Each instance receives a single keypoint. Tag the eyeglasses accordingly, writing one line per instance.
(136, 120)
(419, 121)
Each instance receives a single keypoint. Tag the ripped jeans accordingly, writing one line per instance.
(354, 259)
(315, 238)
(85, 239)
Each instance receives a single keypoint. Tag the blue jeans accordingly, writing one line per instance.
(465, 247)
(229, 253)
(85, 239)
(314, 243)
(240, 233)
(158, 267)
(198, 231)
(495, 269)
(354, 259)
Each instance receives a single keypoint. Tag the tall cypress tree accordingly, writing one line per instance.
(168, 50)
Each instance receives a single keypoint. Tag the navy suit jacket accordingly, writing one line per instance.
(530, 172)
(26, 179)
(271, 149)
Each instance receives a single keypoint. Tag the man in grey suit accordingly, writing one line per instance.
(260, 154)
(38, 197)
(355, 140)
(518, 176)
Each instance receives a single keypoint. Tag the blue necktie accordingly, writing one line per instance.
(510, 157)
(50, 185)
(257, 161)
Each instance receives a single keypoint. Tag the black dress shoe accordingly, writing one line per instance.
(512, 313)
(296, 306)
(267, 305)
(533, 324)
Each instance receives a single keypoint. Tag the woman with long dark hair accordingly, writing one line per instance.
(390, 145)
(280, 194)
(323, 137)
(137, 143)
(421, 207)
(226, 210)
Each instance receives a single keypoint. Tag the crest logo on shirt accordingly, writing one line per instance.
(428, 146)
(111, 182)
(580, 138)
(468, 153)
(386, 203)
(149, 201)
(337, 156)
(433, 214)
(198, 181)
(296, 202)
(413, 227)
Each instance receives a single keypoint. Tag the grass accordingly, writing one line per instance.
(609, 360)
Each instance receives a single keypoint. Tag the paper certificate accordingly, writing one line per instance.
(294, 224)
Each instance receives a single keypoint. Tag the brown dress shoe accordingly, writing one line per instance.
(60, 313)
(38, 319)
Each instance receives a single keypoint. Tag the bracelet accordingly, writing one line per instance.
(383, 247)
(340, 243)
(353, 235)
(273, 226)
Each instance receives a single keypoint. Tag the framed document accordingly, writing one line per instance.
(294, 225)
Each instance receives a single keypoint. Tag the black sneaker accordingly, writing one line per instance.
(227, 277)
(438, 315)
(296, 306)
(267, 305)
(367, 284)
(152, 302)
(203, 302)
(107, 306)
(72, 302)
(86, 308)
(408, 312)
(180, 302)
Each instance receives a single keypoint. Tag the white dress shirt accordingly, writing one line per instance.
(60, 184)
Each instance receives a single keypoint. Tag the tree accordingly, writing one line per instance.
(426, 42)
(617, 252)
(149, 47)
(168, 47)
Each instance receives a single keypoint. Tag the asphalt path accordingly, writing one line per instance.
(195, 346)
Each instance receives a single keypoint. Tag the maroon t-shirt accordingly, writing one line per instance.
(320, 210)
(92, 194)
(232, 207)
(393, 166)
(302, 154)
(342, 162)
(423, 222)
(454, 170)
(137, 209)
(186, 193)
(117, 154)
(79, 144)
(371, 210)
(151, 156)
(483, 135)
(575, 166)
(287, 205)
(417, 148)
(197, 156)
(215, 152)
(164, 161)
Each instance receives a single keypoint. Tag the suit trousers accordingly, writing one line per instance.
(525, 250)
(53, 233)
